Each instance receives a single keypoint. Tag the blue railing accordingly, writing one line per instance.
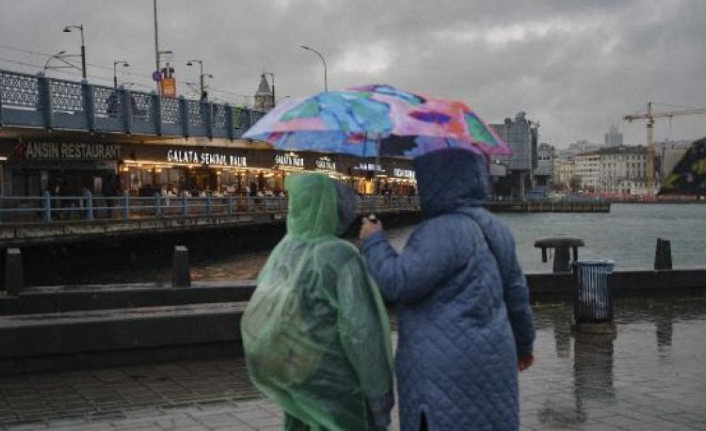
(90, 207)
(39, 101)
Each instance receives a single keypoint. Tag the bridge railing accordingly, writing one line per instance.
(39, 101)
(90, 207)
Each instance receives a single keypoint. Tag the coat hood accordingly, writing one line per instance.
(449, 179)
(318, 206)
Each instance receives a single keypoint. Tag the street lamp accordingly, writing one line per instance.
(57, 56)
(322, 60)
(115, 71)
(202, 75)
(67, 29)
(274, 101)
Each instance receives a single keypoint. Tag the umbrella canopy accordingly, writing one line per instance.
(375, 120)
(689, 175)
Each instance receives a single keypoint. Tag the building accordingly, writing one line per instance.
(522, 136)
(565, 174)
(613, 138)
(611, 170)
(544, 172)
(264, 97)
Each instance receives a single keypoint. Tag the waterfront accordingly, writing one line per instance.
(627, 234)
(649, 377)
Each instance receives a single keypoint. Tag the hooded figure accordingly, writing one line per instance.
(315, 332)
(462, 301)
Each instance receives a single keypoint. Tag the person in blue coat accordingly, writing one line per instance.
(464, 320)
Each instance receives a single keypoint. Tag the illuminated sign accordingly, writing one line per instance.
(403, 173)
(326, 164)
(36, 150)
(369, 167)
(205, 158)
(290, 159)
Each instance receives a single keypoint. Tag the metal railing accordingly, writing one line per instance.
(90, 207)
(39, 101)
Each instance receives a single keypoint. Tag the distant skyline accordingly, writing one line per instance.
(575, 67)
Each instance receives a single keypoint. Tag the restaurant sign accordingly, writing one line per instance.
(403, 173)
(38, 150)
(205, 158)
(325, 164)
(370, 167)
(290, 160)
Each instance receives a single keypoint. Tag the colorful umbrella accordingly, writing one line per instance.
(689, 175)
(375, 120)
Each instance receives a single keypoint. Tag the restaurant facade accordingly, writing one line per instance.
(32, 166)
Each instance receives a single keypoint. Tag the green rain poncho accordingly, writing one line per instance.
(315, 331)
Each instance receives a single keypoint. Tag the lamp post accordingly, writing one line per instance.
(322, 60)
(67, 29)
(202, 75)
(274, 101)
(57, 55)
(115, 70)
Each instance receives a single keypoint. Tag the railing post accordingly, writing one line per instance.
(184, 114)
(89, 105)
(207, 115)
(46, 214)
(157, 113)
(126, 205)
(230, 205)
(44, 99)
(184, 205)
(229, 121)
(208, 203)
(126, 108)
(89, 204)
(14, 272)
(158, 205)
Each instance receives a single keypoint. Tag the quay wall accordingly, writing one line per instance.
(65, 327)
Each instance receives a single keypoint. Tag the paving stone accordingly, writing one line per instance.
(640, 379)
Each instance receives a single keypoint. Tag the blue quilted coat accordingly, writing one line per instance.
(462, 303)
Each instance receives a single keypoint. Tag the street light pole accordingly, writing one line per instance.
(322, 60)
(67, 29)
(156, 44)
(202, 84)
(57, 55)
(115, 71)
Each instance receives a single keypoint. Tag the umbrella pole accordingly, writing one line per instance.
(372, 216)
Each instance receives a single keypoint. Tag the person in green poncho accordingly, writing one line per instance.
(315, 332)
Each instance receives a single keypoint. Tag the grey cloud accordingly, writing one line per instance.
(600, 60)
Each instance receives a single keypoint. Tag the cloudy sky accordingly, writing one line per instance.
(574, 66)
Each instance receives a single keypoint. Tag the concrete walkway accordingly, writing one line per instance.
(651, 376)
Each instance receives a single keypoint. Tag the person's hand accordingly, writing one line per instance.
(369, 227)
(525, 362)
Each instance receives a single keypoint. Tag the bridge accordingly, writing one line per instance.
(56, 104)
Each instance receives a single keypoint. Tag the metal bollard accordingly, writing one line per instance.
(14, 272)
(181, 274)
(663, 255)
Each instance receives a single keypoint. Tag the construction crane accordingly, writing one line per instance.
(650, 117)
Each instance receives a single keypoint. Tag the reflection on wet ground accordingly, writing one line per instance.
(649, 376)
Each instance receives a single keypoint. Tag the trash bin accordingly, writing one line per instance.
(593, 302)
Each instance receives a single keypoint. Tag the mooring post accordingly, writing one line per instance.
(14, 273)
(181, 274)
(663, 255)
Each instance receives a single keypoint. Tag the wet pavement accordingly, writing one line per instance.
(650, 376)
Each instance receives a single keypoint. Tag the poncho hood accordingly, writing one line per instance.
(312, 211)
(449, 179)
